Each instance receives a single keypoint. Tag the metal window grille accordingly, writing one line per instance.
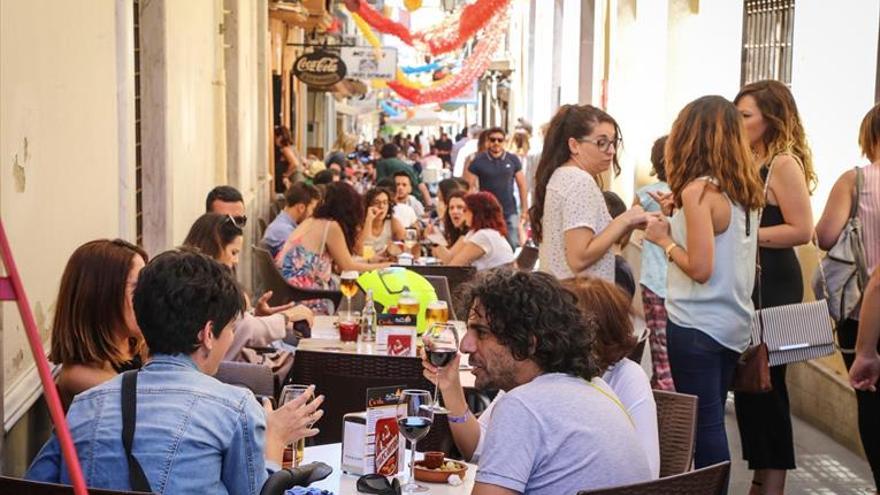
(138, 162)
(768, 31)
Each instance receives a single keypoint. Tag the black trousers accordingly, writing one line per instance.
(868, 403)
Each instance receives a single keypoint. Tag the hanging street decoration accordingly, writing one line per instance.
(449, 35)
(412, 5)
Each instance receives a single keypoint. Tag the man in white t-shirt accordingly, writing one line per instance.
(559, 428)
(407, 209)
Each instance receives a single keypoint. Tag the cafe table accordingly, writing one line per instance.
(325, 338)
(346, 484)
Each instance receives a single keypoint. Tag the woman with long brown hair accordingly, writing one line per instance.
(712, 248)
(569, 218)
(484, 246)
(95, 335)
(776, 136)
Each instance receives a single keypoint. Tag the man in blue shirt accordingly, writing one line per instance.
(301, 199)
(496, 170)
(192, 433)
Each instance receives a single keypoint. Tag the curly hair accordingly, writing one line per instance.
(177, 294)
(534, 316)
(708, 139)
(373, 193)
(570, 122)
(785, 131)
(609, 305)
(486, 211)
(450, 231)
(211, 233)
(344, 205)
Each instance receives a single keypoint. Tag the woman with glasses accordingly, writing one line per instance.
(326, 239)
(381, 230)
(569, 218)
(220, 237)
(94, 332)
(484, 246)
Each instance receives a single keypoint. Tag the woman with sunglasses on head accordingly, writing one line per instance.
(484, 246)
(381, 230)
(95, 334)
(778, 142)
(220, 237)
(326, 239)
(569, 218)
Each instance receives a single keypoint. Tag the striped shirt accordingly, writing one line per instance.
(869, 215)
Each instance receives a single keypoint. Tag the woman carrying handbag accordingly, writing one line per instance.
(831, 225)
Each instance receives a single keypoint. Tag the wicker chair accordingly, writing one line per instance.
(21, 486)
(676, 421)
(709, 480)
(527, 258)
(255, 377)
(344, 380)
(282, 292)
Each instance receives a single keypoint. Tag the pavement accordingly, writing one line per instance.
(824, 466)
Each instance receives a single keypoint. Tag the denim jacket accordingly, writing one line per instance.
(193, 434)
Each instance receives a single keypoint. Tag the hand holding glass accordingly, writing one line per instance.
(288, 393)
(441, 345)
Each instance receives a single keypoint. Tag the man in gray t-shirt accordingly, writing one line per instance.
(559, 428)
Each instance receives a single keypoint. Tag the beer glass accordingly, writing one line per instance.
(440, 348)
(348, 286)
(288, 393)
(411, 238)
(407, 304)
(414, 419)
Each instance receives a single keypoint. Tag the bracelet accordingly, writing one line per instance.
(669, 249)
(459, 419)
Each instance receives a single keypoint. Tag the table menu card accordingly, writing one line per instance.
(396, 334)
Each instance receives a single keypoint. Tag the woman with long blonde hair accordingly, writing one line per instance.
(778, 142)
(711, 246)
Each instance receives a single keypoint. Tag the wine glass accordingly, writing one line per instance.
(410, 239)
(414, 420)
(441, 346)
(349, 286)
(288, 393)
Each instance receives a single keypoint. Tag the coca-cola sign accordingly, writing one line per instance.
(319, 68)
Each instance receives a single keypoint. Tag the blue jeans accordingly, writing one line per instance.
(703, 367)
(512, 221)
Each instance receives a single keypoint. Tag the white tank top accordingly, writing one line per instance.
(722, 307)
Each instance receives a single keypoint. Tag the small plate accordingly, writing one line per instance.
(437, 475)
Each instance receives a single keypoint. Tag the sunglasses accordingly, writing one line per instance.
(496, 140)
(240, 221)
(378, 485)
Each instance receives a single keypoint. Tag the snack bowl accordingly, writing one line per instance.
(441, 474)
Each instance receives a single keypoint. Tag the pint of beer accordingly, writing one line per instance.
(297, 450)
(407, 305)
(437, 313)
(348, 284)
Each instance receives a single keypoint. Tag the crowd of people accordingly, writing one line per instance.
(734, 180)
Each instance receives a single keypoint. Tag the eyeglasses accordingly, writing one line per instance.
(604, 144)
(239, 222)
(496, 140)
(378, 485)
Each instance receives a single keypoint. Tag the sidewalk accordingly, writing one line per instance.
(824, 466)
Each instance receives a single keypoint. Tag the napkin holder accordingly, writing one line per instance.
(354, 444)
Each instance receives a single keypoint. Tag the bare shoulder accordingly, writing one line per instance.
(697, 190)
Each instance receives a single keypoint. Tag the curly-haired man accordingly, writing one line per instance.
(558, 428)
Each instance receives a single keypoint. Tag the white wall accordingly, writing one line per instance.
(543, 93)
(59, 179)
(833, 78)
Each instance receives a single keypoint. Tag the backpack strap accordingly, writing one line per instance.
(136, 476)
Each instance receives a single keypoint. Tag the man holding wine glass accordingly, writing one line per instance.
(527, 337)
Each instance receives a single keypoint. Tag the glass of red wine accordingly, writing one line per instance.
(441, 347)
(414, 420)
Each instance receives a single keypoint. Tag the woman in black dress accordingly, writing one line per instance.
(777, 138)
(286, 162)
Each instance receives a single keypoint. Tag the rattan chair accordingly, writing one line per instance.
(255, 377)
(344, 379)
(709, 480)
(282, 292)
(676, 421)
(527, 258)
(21, 486)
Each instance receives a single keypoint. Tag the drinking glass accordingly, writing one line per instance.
(440, 349)
(414, 420)
(349, 286)
(288, 393)
(411, 238)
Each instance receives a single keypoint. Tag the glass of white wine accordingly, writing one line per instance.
(410, 239)
(349, 286)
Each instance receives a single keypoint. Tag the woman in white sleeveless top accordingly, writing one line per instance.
(828, 229)
(711, 247)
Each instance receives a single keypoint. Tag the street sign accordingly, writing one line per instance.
(362, 63)
(319, 68)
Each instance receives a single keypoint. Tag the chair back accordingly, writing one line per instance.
(277, 205)
(638, 351)
(441, 287)
(677, 423)
(261, 227)
(282, 292)
(255, 377)
(21, 486)
(527, 258)
(344, 379)
(456, 276)
(710, 480)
